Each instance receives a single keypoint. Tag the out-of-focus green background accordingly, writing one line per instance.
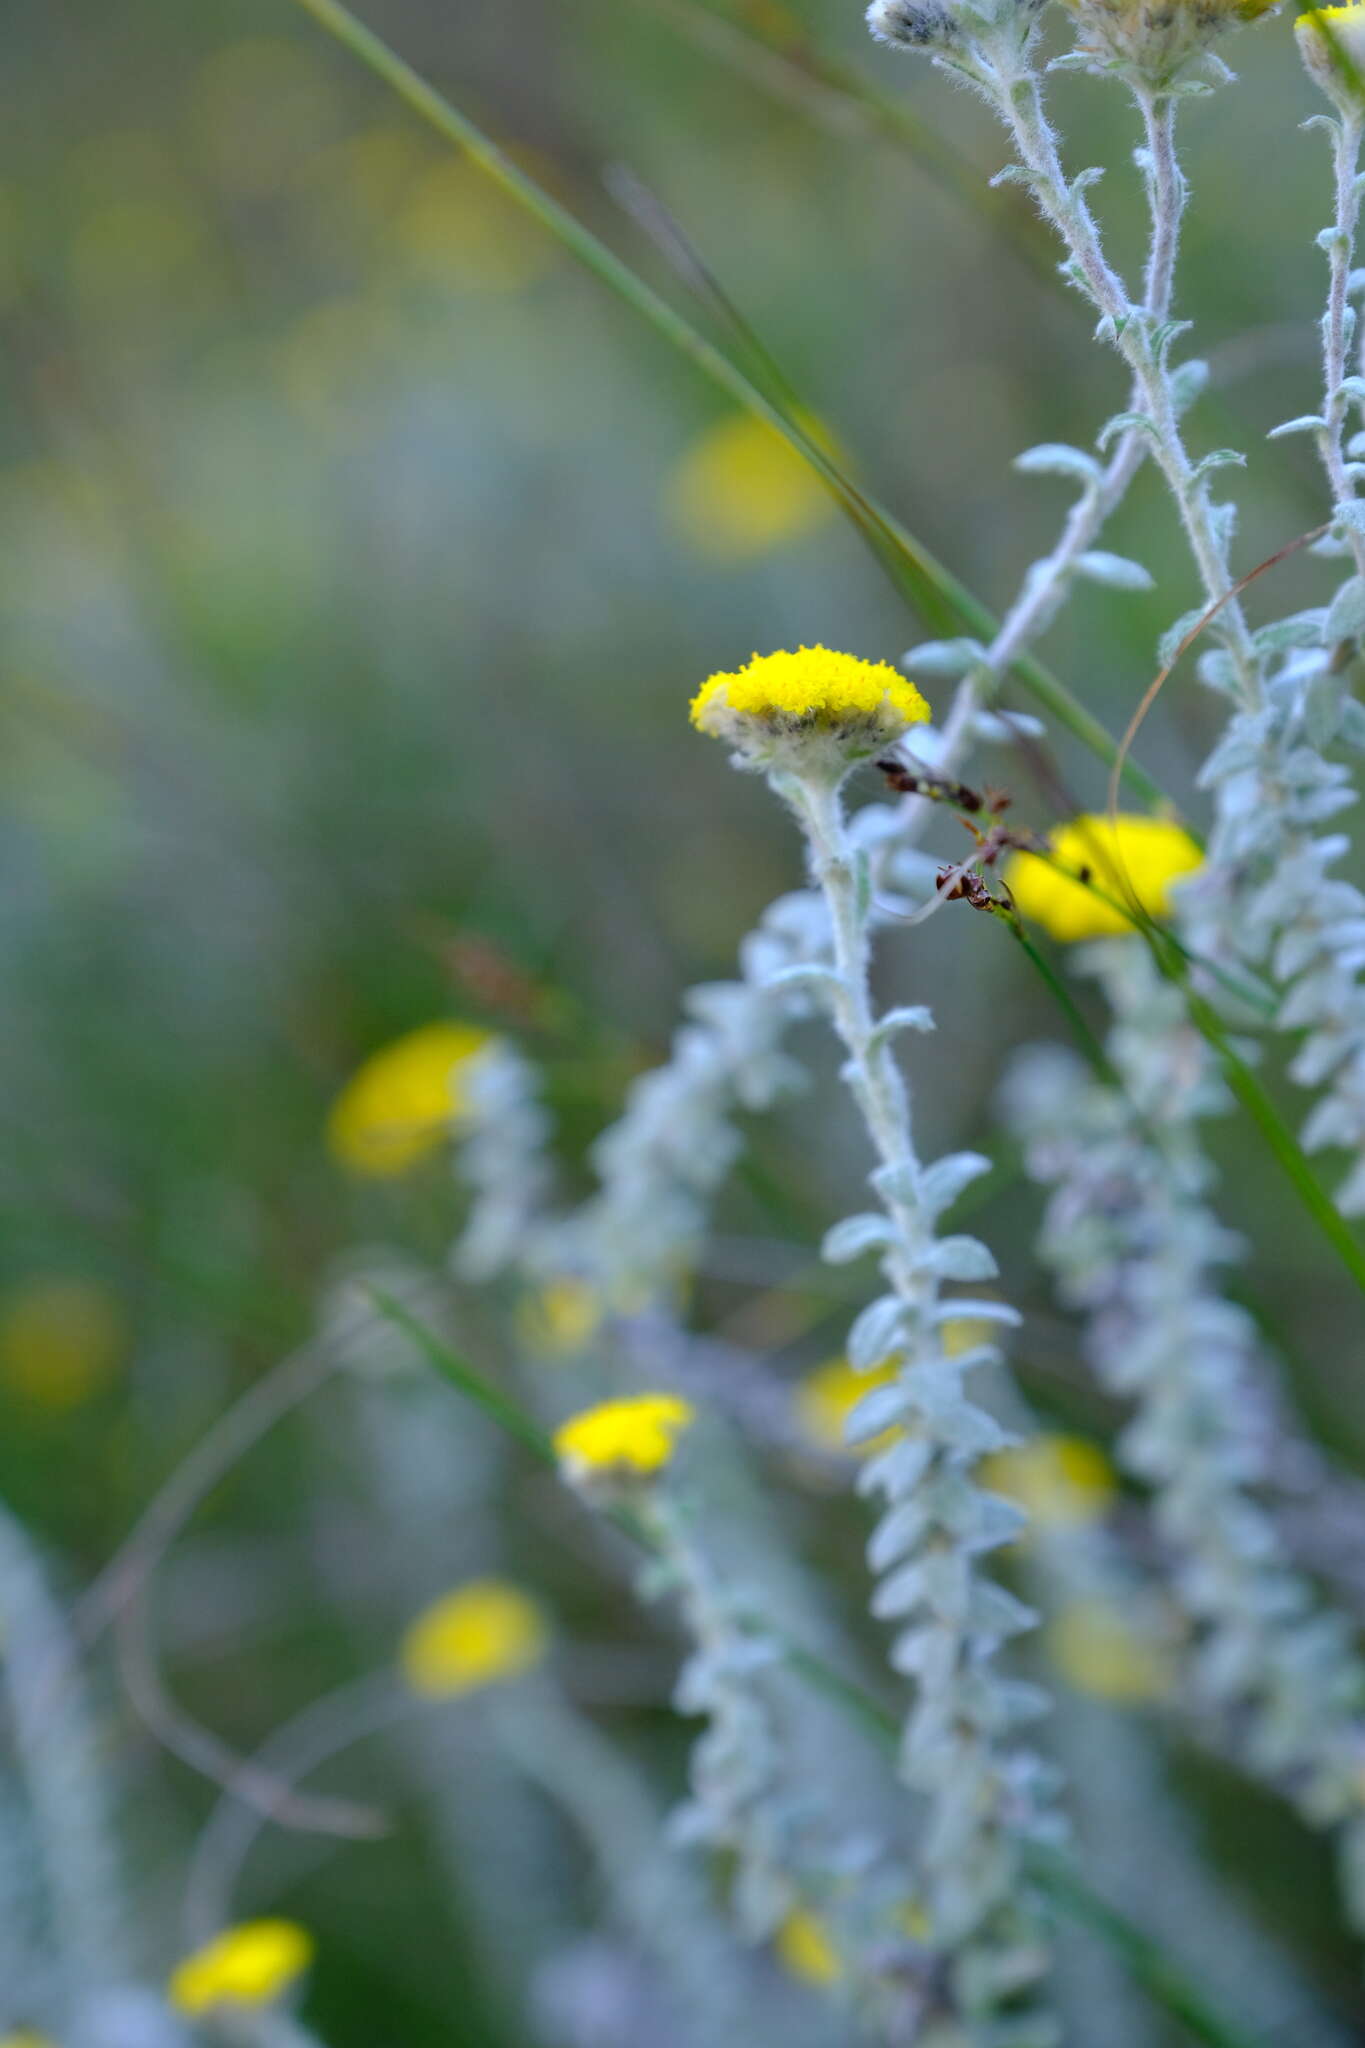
(358, 556)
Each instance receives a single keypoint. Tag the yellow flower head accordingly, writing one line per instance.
(401, 1104)
(779, 707)
(61, 1340)
(475, 1636)
(827, 1396)
(1098, 1650)
(252, 1964)
(24, 2037)
(805, 1949)
(1061, 1482)
(1331, 43)
(627, 1438)
(742, 490)
(1144, 856)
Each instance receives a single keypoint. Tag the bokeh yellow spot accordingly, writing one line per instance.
(62, 1339)
(402, 1103)
(456, 229)
(636, 1435)
(1144, 856)
(1099, 1651)
(827, 1396)
(1061, 1482)
(741, 490)
(250, 1965)
(481, 1633)
(560, 1317)
(805, 1949)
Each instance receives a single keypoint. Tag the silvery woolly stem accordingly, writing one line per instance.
(979, 1793)
(1014, 90)
(1339, 243)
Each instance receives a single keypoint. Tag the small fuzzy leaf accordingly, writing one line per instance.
(1188, 382)
(959, 1258)
(853, 1237)
(807, 974)
(1346, 613)
(946, 658)
(1305, 423)
(875, 1332)
(1055, 458)
(880, 1408)
(1217, 458)
(1115, 570)
(907, 1017)
(942, 1183)
(1121, 423)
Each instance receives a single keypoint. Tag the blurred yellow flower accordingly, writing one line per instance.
(804, 1946)
(1098, 1650)
(1061, 1482)
(559, 1316)
(261, 108)
(827, 1396)
(251, 1964)
(25, 2037)
(741, 490)
(402, 1103)
(1331, 42)
(634, 1435)
(458, 229)
(330, 350)
(1144, 857)
(815, 687)
(481, 1633)
(61, 1340)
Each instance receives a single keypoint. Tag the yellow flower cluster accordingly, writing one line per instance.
(813, 686)
(481, 1633)
(1105, 868)
(1061, 1482)
(401, 1104)
(252, 1964)
(630, 1437)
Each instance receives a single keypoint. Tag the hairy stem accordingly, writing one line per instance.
(1336, 322)
(1017, 96)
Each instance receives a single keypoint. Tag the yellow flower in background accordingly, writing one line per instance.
(1061, 1482)
(458, 229)
(1145, 855)
(25, 2037)
(61, 1340)
(252, 1964)
(1099, 1651)
(813, 687)
(827, 1396)
(637, 1435)
(400, 1105)
(741, 490)
(560, 1316)
(475, 1636)
(804, 1948)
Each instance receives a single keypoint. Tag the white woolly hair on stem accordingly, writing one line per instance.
(979, 1793)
